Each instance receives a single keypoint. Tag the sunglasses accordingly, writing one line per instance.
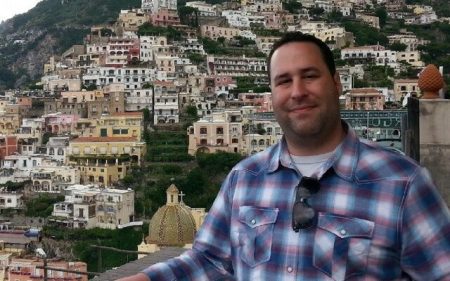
(303, 215)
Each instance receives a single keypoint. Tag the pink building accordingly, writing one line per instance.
(60, 123)
(8, 146)
(263, 101)
(27, 269)
(364, 99)
(24, 101)
(122, 50)
(165, 17)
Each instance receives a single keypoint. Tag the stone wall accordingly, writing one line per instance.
(428, 139)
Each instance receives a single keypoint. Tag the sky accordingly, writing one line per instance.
(10, 8)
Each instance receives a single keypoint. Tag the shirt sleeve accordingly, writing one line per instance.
(210, 257)
(425, 231)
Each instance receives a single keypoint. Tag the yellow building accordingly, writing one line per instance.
(402, 87)
(10, 123)
(120, 124)
(104, 160)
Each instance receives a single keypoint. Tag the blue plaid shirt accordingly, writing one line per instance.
(379, 218)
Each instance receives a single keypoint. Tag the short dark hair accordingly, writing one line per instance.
(297, 36)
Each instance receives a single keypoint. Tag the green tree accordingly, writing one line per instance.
(292, 6)
(41, 206)
(221, 40)
(191, 111)
(382, 15)
(316, 11)
(365, 34)
(399, 47)
(196, 58)
(242, 41)
(188, 16)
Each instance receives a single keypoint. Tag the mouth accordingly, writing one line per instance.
(302, 108)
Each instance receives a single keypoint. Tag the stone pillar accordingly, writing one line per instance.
(428, 134)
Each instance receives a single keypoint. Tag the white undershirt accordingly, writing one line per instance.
(308, 165)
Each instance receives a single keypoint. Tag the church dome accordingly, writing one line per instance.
(173, 223)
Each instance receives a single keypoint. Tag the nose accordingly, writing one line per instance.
(298, 88)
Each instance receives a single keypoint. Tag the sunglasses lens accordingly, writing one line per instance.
(303, 216)
(303, 193)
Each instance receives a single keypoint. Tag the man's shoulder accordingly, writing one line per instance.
(384, 162)
(259, 161)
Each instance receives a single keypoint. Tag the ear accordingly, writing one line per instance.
(337, 83)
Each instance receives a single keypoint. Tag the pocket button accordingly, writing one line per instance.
(289, 269)
(343, 231)
(253, 221)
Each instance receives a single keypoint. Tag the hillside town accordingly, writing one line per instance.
(82, 129)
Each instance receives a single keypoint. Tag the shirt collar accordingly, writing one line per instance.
(280, 156)
(343, 161)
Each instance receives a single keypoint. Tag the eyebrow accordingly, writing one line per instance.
(302, 71)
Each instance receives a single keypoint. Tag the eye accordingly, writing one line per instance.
(282, 82)
(311, 76)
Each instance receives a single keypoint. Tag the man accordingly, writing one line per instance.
(321, 204)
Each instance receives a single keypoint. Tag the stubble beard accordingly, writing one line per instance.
(308, 132)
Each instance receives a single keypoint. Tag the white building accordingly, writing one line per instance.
(154, 6)
(139, 99)
(166, 106)
(148, 44)
(131, 77)
(86, 206)
(11, 200)
(204, 8)
(54, 179)
(56, 148)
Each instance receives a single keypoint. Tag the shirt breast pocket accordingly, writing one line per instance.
(255, 233)
(342, 245)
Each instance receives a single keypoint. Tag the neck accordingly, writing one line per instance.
(317, 144)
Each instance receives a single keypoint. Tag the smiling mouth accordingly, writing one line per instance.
(303, 108)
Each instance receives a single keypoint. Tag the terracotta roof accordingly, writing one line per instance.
(363, 91)
(104, 139)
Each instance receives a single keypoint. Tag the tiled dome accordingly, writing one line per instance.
(430, 81)
(173, 224)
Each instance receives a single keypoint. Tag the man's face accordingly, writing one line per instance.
(305, 95)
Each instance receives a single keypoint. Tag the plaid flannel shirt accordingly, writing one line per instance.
(379, 218)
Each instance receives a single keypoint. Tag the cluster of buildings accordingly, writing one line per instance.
(85, 126)
(56, 152)
(131, 72)
(82, 133)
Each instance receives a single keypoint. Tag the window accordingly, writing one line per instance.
(219, 131)
(103, 132)
(203, 131)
